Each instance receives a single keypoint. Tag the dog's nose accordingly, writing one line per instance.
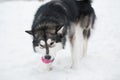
(47, 57)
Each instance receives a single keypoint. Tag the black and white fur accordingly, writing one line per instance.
(60, 20)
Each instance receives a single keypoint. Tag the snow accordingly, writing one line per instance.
(19, 62)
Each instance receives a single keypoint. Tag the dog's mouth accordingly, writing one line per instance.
(47, 61)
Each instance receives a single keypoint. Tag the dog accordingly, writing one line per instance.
(58, 21)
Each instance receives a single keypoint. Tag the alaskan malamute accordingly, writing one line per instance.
(58, 21)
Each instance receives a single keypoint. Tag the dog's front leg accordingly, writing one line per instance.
(77, 47)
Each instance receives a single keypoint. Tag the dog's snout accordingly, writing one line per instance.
(47, 57)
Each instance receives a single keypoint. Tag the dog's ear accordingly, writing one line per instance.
(29, 32)
(60, 30)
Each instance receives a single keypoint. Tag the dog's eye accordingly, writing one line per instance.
(41, 46)
(52, 44)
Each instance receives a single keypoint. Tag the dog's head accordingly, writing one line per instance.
(49, 30)
(48, 38)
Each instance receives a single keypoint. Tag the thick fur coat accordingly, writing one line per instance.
(58, 21)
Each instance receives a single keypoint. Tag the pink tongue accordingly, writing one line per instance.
(46, 61)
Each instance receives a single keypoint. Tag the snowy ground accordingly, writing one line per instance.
(18, 61)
